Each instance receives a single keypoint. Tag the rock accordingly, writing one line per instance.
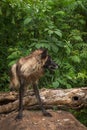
(34, 120)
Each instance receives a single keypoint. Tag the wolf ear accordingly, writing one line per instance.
(44, 54)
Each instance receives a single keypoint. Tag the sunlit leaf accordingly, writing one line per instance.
(58, 32)
(60, 12)
(27, 21)
(78, 38)
(11, 63)
(75, 58)
(55, 84)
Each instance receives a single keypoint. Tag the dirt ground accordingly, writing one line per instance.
(34, 120)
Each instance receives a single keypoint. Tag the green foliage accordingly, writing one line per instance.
(81, 115)
(59, 26)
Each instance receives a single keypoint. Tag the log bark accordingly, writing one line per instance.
(75, 98)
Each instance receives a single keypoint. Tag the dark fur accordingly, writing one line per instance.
(28, 70)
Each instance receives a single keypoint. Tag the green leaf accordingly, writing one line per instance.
(43, 45)
(83, 22)
(27, 21)
(50, 32)
(55, 84)
(82, 75)
(11, 63)
(75, 59)
(13, 20)
(68, 86)
(78, 38)
(0, 11)
(58, 33)
(60, 12)
(14, 55)
(7, 12)
(68, 50)
(54, 48)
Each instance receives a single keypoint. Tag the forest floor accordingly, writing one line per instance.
(34, 120)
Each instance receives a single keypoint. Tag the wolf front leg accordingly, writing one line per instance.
(45, 113)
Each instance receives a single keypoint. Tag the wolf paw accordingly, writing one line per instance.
(47, 114)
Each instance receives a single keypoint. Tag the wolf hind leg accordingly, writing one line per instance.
(21, 95)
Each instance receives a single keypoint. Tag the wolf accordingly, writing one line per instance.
(27, 71)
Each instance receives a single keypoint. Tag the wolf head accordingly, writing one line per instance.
(49, 63)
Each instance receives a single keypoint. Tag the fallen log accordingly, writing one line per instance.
(75, 98)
